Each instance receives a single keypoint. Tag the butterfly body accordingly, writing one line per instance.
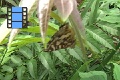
(62, 39)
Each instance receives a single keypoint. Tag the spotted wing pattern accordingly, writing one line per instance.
(62, 39)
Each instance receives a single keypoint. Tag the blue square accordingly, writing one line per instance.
(16, 9)
(16, 16)
(16, 25)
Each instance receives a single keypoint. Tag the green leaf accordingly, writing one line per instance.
(34, 29)
(4, 10)
(20, 72)
(100, 37)
(94, 12)
(7, 68)
(2, 48)
(93, 75)
(44, 73)
(88, 6)
(34, 62)
(111, 12)
(55, 16)
(38, 47)
(82, 68)
(16, 60)
(75, 54)
(110, 19)
(22, 40)
(46, 60)
(5, 60)
(26, 52)
(12, 2)
(8, 77)
(116, 71)
(54, 27)
(78, 51)
(32, 67)
(93, 44)
(1, 76)
(110, 28)
(61, 56)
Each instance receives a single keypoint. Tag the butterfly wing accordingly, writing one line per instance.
(62, 39)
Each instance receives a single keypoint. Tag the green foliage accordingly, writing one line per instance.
(93, 75)
(116, 70)
(25, 59)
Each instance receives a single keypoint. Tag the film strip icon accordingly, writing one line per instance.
(17, 17)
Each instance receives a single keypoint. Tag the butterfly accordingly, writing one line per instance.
(62, 39)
